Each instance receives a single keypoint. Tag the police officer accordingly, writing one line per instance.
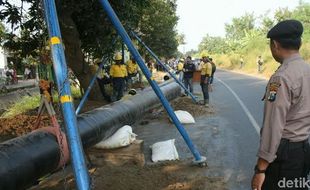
(118, 73)
(283, 155)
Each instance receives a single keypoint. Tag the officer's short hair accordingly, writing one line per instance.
(293, 44)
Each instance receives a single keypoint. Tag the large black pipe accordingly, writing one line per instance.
(25, 159)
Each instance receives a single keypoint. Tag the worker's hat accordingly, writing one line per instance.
(118, 57)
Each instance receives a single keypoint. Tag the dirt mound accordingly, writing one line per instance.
(182, 103)
(21, 124)
(186, 103)
(166, 176)
(25, 123)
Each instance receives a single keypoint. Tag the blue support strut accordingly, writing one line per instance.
(90, 86)
(165, 67)
(92, 82)
(61, 72)
(122, 32)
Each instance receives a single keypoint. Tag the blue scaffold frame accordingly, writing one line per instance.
(126, 39)
(63, 84)
(165, 67)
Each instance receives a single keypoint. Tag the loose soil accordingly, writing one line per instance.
(21, 125)
(182, 103)
(179, 175)
(164, 176)
(25, 123)
(176, 175)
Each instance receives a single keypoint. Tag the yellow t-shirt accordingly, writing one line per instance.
(118, 71)
(132, 68)
(180, 66)
(206, 68)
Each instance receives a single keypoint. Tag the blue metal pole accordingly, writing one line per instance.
(61, 72)
(90, 86)
(122, 32)
(165, 67)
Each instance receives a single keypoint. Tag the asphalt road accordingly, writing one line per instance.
(238, 99)
(229, 138)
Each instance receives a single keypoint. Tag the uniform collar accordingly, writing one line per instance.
(291, 58)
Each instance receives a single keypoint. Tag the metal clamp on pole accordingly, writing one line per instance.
(122, 32)
(61, 72)
(165, 67)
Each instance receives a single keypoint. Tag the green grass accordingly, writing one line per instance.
(250, 53)
(23, 105)
(232, 61)
(28, 103)
(75, 92)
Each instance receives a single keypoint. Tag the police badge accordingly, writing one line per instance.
(273, 88)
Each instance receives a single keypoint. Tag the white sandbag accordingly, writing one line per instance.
(122, 137)
(164, 150)
(184, 117)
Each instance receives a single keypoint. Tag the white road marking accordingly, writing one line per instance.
(245, 109)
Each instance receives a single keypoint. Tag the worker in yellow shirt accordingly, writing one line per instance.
(132, 68)
(118, 73)
(180, 69)
(206, 72)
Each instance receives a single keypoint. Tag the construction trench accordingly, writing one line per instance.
(25, 159)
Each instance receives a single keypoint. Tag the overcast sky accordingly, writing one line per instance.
(200, 17)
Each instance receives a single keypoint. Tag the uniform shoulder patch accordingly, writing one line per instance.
(273, 88)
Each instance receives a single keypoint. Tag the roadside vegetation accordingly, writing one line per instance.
(23, 105)
(90, 34)
(30, 103)
(246, 38)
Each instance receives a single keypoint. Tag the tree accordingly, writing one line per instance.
(267, 24)
(181, 39)
(86, 30)
(239, 26)
(214, 45)
(2, 32)
(302, 13)
(282, 14)
(158, 27)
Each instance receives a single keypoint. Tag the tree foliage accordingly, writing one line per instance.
(156, 19)
(239, 26)
(158, 27)
(2, 31)
(215, 45)
(243, 36)
(181, 39)
(86, 30)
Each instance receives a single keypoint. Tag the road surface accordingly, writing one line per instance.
(229, 138)
(238, 99)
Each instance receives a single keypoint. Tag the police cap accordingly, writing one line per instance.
(287, 29)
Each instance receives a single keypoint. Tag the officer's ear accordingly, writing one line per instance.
(276, 44)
